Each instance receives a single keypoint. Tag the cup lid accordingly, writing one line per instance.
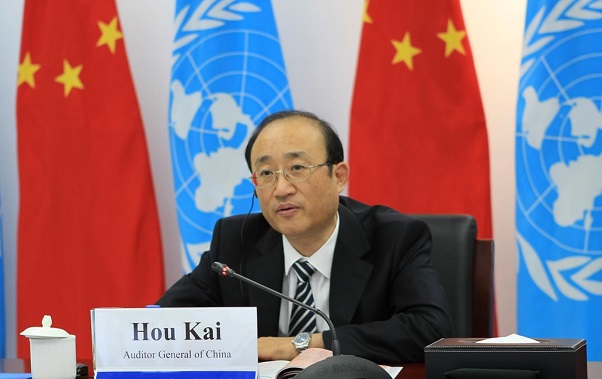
(45, 331)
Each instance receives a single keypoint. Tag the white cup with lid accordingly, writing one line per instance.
(52, 351)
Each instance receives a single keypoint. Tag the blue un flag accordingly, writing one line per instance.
(2, 314)
(228, 73)
(559, 173)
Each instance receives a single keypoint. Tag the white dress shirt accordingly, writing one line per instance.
(319, 281)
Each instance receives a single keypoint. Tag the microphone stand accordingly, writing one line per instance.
(336, 367)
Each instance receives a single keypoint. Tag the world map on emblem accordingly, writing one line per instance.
(559, 165)
(228, 76)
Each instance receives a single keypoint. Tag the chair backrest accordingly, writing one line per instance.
(465, 268)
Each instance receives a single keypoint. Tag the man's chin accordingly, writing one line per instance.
(289, 229)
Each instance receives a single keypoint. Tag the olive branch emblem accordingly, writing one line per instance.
(209, 14)
(565, 15)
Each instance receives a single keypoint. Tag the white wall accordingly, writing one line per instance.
(495, 29)
(10, 25)
(320, 40)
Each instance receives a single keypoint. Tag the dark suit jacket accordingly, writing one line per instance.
(386, 302)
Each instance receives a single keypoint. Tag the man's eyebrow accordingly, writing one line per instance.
(296, 154)
(262, 159)
(291, 154)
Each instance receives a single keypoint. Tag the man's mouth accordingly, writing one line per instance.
(285, 209)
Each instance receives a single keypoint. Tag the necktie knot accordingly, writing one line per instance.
(304, 270)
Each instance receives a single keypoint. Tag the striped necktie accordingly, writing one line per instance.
(303, 320)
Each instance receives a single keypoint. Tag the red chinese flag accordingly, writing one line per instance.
(418, 140)
(88, 231)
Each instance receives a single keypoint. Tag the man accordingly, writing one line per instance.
(372, 264)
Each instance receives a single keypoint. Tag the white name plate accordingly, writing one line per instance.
(186, 342)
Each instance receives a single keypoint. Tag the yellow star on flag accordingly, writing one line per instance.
(109, 34)
(405, 51)
(70, 77)
(366, 17)
(26, 71)
(453, 39)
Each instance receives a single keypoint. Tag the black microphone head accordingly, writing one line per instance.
(344, 367)
(220, 268)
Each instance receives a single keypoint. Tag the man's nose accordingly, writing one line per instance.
(283, 185)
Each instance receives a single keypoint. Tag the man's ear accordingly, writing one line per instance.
(341, 174)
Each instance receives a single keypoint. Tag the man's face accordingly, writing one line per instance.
(304, 212)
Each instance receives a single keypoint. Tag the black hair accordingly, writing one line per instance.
(334, 147)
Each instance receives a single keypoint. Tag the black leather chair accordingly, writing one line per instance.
(465, 268)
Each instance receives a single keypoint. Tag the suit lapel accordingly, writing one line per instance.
(350, 273)
(266, 266)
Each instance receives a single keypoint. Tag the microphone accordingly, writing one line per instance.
(336, 367)
(224, 270)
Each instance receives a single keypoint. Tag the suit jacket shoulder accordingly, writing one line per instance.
(383, 291)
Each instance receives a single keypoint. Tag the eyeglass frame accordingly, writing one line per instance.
(277, 172)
